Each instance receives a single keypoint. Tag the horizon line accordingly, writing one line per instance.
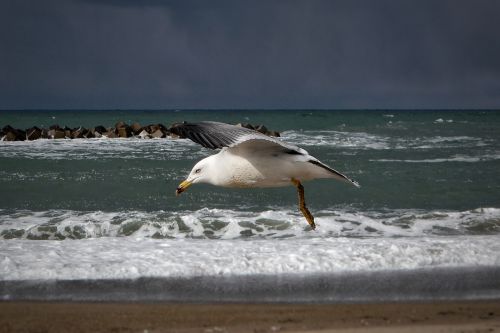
(250, 109)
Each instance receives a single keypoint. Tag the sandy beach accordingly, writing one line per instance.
(464, 316)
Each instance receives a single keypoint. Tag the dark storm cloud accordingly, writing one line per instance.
(277, 54)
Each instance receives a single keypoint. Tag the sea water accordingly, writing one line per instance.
(99, 210)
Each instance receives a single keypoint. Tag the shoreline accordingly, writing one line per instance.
(442, 316)
(415, 285)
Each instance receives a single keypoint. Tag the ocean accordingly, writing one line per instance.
(98, 219)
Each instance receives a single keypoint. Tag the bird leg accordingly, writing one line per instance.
(302, 203)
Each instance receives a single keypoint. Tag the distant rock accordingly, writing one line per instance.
(88, 134)
(261, 128)
(10, 136)
(158, 134)
(13, 134)
(56, 133)
(144, 135)
(21, 135)
(246, 125)
(121, 129)
(157, 130)
(33, 133)
(274, 133)
(136, 128)
(77, 133)
(100, 129)
(154, 127)
(124, 132)
(110, 134)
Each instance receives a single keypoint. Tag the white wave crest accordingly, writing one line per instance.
(176, 149)
(230, 224)
(102, 148)
(358, 140)
(364, 141)
(454, 158)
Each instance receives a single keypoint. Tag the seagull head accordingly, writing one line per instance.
(199, 174)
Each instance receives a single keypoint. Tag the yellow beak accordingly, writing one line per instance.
(182, 187)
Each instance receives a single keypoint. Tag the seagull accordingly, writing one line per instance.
(249, 159)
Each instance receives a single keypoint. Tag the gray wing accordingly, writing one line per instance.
(213, 135)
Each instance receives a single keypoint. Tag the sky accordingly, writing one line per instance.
(265, 54)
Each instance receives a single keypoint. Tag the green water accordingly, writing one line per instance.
(407, 162)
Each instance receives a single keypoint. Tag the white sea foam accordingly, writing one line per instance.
(93, 174)
(454, 158)
(102, 148)
(230, 224)
(362, 140)
(442, 142)
(339, 139)
(214, 242)
(441, 120)
(132, 257)
(176, 149)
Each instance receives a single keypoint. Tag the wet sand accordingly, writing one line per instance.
(464, 316)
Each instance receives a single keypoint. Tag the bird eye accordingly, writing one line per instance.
(197, 171)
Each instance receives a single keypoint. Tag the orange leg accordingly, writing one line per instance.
(302, 203)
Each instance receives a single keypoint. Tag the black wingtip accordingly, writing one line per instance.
(336, 173)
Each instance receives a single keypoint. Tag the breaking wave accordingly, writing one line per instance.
(454, 158)
(362, 140)
(230, 224)
(177, 149)
(102, 148)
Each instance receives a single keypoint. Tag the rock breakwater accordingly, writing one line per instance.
(120, 130)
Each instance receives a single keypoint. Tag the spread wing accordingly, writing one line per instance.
(213, 135)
